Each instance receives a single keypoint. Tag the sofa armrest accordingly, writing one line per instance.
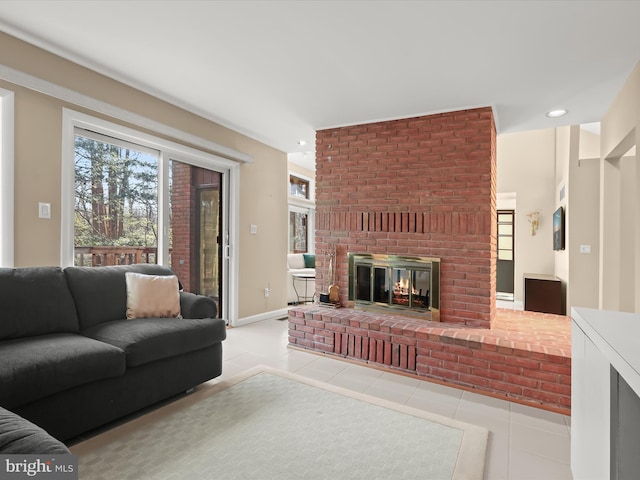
(197, 306)
(20, 436)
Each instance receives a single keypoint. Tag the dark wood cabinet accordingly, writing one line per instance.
(543, 293)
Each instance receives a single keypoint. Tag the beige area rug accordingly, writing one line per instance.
(267, 424)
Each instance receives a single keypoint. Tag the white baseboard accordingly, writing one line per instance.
(262, 316)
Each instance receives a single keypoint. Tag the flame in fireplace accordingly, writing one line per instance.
(401, 287)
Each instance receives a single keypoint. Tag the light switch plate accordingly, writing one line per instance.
(585, 248)
(253, 230)
(44, 210)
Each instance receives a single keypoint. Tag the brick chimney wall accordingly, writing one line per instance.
(423, 186)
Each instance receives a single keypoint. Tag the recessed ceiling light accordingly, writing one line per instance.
(302, 142)
(557, 113)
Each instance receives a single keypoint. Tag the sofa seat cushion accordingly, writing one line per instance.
(149, 339)
(19, 436)
(36, 367)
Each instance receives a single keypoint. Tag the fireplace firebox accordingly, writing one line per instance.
(403, 284)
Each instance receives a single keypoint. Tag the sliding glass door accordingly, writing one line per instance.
(132, 198)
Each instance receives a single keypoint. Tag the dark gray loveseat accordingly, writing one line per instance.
(70, 361)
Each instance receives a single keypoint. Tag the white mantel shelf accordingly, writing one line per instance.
(605, 411)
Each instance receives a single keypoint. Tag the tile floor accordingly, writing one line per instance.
(525, 442)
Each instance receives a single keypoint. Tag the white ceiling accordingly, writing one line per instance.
(278, 71)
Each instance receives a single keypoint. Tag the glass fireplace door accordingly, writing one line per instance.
(411, 287)
(406, 285)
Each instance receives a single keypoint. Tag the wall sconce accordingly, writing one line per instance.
(534, 220)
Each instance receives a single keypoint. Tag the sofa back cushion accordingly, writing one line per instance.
(100, 293)
(35, 301)
(295, 261)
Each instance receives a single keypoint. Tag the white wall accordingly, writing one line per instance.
(526, 167)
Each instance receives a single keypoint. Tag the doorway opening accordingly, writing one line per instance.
(506, 256)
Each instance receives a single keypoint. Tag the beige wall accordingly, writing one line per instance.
(620, 200)
(583, 228)
(38, 145)
(628, 232)
(526, 166)
(589, 144)
(263, 256)
(38, 124)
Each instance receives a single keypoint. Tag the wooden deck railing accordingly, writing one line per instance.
(103, 256)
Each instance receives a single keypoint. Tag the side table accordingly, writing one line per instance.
(303, 277)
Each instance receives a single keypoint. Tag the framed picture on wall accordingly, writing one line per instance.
(558, 229)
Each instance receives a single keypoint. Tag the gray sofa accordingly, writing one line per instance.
(70, 361)
(19, 436)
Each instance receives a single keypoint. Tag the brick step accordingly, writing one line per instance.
(502, 363)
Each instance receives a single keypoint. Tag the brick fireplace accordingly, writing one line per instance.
(422, 187)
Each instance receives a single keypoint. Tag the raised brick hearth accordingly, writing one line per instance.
(525, 357)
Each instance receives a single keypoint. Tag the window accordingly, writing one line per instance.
(298, 231)
(298, 187)
(301, 214)
(6, 178)
(116, 201)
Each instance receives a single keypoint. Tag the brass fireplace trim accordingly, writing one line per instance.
(430, 264)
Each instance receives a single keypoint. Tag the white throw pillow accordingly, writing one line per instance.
(295, 260)
(152, 296)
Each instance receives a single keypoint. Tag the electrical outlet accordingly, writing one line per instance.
(253, 229)
(585, 248)
(267, 292)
